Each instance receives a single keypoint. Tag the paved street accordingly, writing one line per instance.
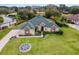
(74, 26)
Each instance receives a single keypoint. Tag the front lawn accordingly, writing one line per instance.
(4, 32)
(68, 43)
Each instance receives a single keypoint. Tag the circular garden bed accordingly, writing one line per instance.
(24, 47)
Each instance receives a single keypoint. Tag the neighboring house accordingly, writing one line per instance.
(40, 13)
(4, 25)
(73, 19)
(37, 25)
(12, 14)
(65, 12)
(8, 21)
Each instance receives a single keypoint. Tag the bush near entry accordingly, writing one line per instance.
(60, 32)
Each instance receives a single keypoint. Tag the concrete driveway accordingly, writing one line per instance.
(4, 41)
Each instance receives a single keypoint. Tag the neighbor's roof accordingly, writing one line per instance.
(35, 21)
(73, 17)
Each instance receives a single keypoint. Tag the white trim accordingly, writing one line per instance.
(30, 36)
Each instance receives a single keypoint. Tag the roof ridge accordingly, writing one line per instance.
(34, 21)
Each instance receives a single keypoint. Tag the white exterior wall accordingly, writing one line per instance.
(47, 29)
(50, 29)
(31, 31)
(57, 29)
(21, 32)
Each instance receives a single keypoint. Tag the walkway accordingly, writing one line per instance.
(4, 41)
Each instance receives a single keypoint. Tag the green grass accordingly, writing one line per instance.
(68, 43)
(1, 20)
(4, 32)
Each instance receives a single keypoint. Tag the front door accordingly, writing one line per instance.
(27, 32)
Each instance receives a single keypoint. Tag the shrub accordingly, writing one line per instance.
(44, 33)
(60, 32)
(19, 22)
(65, 25)
(59, 24)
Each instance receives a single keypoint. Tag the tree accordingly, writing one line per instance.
(52, 12)
(30, 15)
(63, 7)
(63, 19)
(22, 15)
(15, 8)
(25, 15)
(74, 9)
(28, 7)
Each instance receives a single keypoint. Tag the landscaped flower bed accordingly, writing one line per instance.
(24, 47)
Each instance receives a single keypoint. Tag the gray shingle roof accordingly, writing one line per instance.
(36, 21)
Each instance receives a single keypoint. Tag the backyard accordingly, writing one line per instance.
(52, 44)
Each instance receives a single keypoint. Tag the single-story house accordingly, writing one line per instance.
(36, 25)
(73, 19)
(8, 21)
